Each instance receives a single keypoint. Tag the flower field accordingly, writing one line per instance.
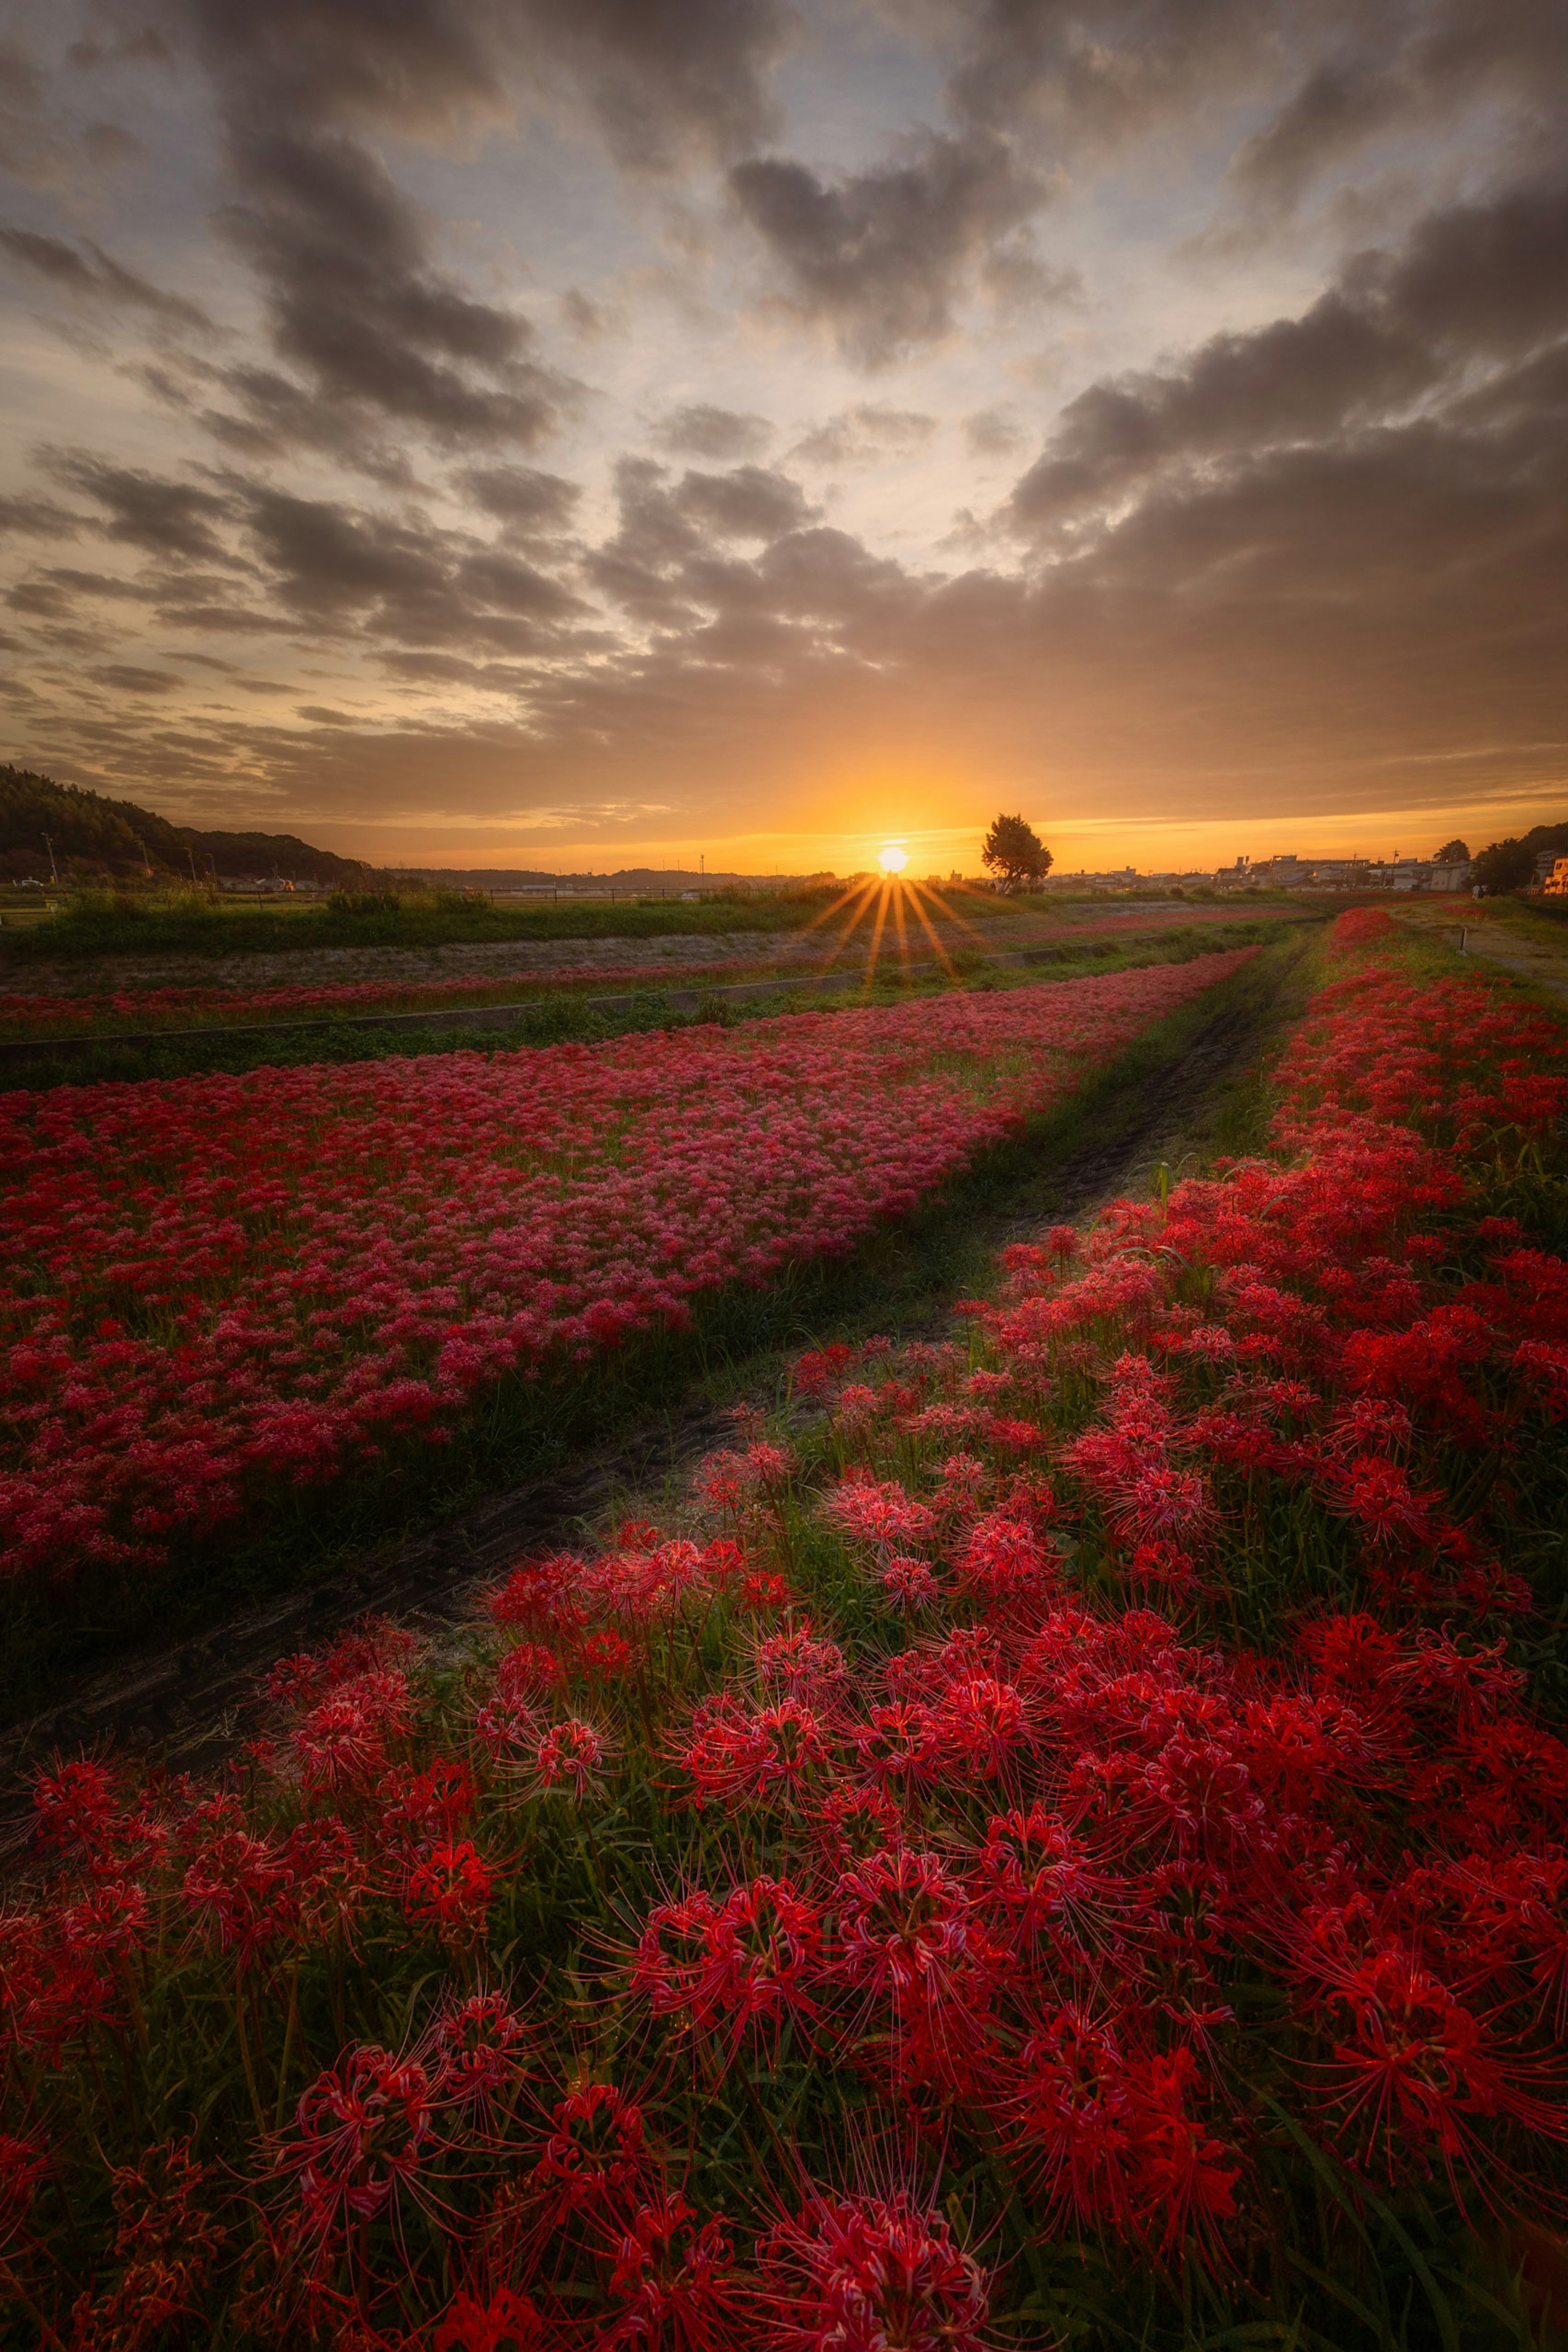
(1061, 1847)
(51, 1013)
(212, 1284)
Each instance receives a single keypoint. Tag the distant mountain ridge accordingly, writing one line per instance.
(92, 838)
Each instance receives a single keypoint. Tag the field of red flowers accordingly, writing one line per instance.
(212, 1284)
(54, 1015)
(1063, 1849)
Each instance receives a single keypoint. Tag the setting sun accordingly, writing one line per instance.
(893, 859)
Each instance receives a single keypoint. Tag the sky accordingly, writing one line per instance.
(564, 432)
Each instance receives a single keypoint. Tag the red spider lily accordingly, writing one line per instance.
(672, 2280)
(799, 1664)
(979, 1728)
(1034, 1877)
(1005, 1565)
(909, 1584)
(764, 1943)
(477, 2045)
(341, 1742)
(861, 2274)
(770, 1755)
(527, 1674)
(571, 1757)
(670, 1965)
(595, 2159)
(1416, 2067)
(903, 1926)
(850, 1823)
(241, 1890)
(608, 1657)
(450, 1889)
(879, 1513)
(504, 2322)
(76, 1807)
(1109, 2137)
(362, 2133)
(897, 1744)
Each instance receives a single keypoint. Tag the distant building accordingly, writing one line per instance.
(1554, 885)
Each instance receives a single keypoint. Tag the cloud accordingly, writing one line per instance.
(531, 504)
(1392, 69)
(865, 435)
(108, 145)
(354, 302)
(91, 273)
(993, 432)
(125, 678)
(147, 510)
(880, 258)
(720, 434)
(663, 79)
(1475, 281)
(751, 502)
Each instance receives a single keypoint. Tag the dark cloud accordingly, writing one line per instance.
(90, 272)
(1382, 66)
(663, 79)
(865, 435)
(108, 146)
(31, 148)
(531, 504)
(354, 302)
(126, 678)
(1473, 283)
(880, 258)
(720, 434)
(30, 516)
(751, 502)
(147, 510)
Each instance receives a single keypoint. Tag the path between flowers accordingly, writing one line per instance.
(193, 1701)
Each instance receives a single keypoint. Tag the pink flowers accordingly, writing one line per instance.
(216, 1285)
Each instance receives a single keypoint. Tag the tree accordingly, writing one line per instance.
(1452, 853)
(1505, 865)
(1014, 852)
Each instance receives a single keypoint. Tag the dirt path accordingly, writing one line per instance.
(1540, 962)
(194, 1702)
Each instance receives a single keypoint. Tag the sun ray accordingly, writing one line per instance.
(870, 973)
(863, 902)
(898, 895)
(917, 901)
(850, 890)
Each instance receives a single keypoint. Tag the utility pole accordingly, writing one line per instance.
(54, 869)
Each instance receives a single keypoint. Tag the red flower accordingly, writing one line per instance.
(868, 2274)
(450, 1889)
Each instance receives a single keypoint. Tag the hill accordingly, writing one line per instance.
(48, 829)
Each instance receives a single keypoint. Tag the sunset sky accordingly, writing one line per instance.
(584, 432)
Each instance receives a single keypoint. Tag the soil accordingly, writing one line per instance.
(192, 1703)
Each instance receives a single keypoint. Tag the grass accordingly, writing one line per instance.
(96, 923)
(902, 1279)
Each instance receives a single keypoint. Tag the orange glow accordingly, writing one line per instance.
(894, 859)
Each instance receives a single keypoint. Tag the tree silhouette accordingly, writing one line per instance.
(1014, 852)
(1452, 853)
(1505, 865)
